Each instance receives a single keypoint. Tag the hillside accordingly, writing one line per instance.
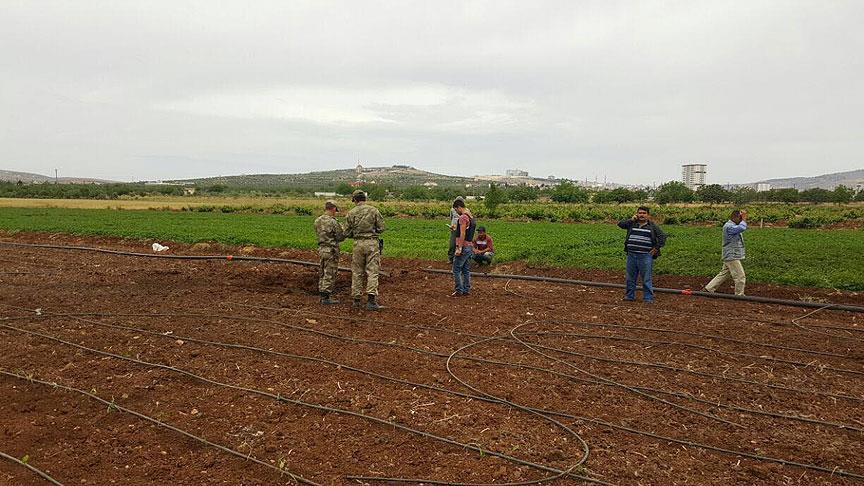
(397, 175)
(851, 179)
(30, 178)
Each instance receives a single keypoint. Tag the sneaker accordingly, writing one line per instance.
(456, 294)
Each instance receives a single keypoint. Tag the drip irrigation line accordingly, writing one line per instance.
(33, 263)
(322, 408)
(447, 483)
(112, 405)
(595, 421)
(794, 364)
(834, 471)
(795, 322)
(444, 355)
(302, 311)
(602, 379)
(175, 257)
(340, 365)
(687, 292)
(697, 334)
(706, 315)
(632, 363)
(37, 471)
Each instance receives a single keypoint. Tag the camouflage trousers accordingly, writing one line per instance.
(365, 259)
(328, 268)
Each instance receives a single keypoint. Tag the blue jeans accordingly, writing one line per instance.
(461, 272)
(639, 264)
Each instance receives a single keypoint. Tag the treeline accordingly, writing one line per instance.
(85, 191)
(565, 192)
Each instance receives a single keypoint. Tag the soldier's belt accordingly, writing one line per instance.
(366, 238)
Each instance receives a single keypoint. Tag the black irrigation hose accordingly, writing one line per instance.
(716, 337)
(545, 411)
(795, 323)
(706, 315)
(175, 257)
(597, 358)
(39, 472)
(794, 364)
(699, 293)
(684, 442)
(340, 365)
(443, 355)
(322, 408)
(113, 406)
(601, 379)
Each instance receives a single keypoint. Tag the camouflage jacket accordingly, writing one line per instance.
(364, 222)
(329, 231)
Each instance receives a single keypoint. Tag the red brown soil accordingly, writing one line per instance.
(274, 307)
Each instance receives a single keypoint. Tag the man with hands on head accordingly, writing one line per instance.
(733, 253)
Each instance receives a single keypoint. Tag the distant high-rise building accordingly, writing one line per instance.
(694, 175)
(763, 186)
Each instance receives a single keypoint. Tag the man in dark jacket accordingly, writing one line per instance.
(642, 245)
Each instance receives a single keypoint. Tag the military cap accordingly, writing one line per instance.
(330, 204)
(358, 192)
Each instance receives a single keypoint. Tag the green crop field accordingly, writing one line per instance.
(804, 257)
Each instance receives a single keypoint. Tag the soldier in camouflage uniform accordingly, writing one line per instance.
(364, 225)
(330, 233)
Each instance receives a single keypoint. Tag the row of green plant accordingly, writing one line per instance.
(793, 215)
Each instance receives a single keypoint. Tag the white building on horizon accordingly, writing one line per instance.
(694, 176)
(516, 173)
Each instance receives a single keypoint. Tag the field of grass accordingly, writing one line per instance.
(816, 258)
(802, 215)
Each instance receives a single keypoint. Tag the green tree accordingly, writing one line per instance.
(344, 189)
(375, 192)
(674, 192)
(816, 195)
(843, 194)
(618, 195)
(494, 197)
(415, 193)
(860, 196)
(568, 192)
(522, 193)
(713, 193)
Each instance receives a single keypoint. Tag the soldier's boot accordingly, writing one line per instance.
(327, 300)
(357, 302)
(371, 303)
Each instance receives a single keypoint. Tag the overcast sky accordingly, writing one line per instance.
(625, 90)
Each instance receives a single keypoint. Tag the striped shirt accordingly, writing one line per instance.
(639, 240)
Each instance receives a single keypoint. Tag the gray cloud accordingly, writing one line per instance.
(626, 90)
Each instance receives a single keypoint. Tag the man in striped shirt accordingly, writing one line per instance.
(642, 245)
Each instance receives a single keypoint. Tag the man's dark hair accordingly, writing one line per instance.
(458, 203)
(735, 214)
(481, 228)
(644, 208)
(360, 196)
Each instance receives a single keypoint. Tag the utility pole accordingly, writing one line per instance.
(55, 176)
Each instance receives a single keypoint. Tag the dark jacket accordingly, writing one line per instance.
(658, 237)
